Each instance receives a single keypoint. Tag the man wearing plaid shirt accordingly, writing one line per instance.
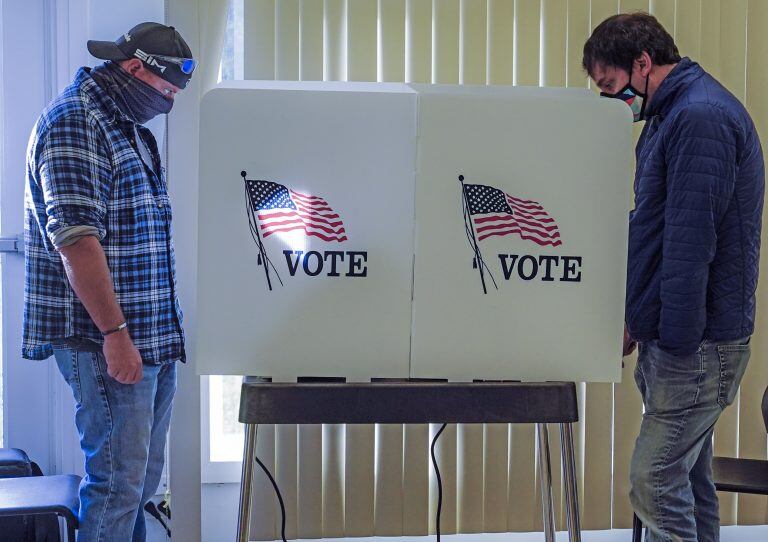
(100, 291)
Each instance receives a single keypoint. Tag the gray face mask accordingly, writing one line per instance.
(136, 99)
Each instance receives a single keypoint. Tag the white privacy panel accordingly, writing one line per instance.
(305, 264)
(516, 272)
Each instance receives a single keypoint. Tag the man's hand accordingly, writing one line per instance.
(123, 358)
(89, 275)
(629, 343)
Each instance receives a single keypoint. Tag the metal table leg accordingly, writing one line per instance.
(246, 484)
(571, 487)
(545, 478)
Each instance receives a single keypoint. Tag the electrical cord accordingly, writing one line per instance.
(153, 510)
(277, 492)
(439, 482)
(434, 464)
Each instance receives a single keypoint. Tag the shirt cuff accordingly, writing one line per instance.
(69, 235)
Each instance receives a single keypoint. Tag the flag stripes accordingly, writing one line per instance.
(496, 213)
(281, 210)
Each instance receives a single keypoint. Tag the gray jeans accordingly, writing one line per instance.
(672, 490)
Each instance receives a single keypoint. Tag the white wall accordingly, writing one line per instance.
(43, 44)
(27, 385)
(108, 19)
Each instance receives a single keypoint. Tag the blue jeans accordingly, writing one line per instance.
(122, 430)
(672, 490)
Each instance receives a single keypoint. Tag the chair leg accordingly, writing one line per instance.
(545, 477)
(70, 530)
(246, 484)
(637, 529)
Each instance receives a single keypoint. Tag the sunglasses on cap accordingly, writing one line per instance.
(187, 65)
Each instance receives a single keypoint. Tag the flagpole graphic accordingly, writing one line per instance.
(477, 261)
(491, 212)
(276, 209)
(263, 258)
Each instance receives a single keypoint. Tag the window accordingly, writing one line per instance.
(223, 435)
(232, 55)
(2, 358)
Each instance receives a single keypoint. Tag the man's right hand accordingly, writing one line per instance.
(123, 358)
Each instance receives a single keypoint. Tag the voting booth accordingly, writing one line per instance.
(366, 231)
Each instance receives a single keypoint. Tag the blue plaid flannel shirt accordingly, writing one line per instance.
(83, 169)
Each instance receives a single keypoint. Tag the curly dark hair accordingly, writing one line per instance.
(620, 39)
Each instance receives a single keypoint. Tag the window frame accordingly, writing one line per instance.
(214, 472)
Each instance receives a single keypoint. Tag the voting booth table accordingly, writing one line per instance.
(391, 253)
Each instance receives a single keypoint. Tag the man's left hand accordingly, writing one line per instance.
(629, 343)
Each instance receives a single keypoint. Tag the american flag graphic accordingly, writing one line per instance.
(280, 209)
(497, 213)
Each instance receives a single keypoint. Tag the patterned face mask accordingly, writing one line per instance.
(635, 99)
(134, 97)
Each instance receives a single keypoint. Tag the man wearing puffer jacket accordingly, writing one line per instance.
(694, 242)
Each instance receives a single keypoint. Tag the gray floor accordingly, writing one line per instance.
(728, 534)
(155, 531)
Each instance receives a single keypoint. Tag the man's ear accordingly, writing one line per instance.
(643, 63)
(132, 66)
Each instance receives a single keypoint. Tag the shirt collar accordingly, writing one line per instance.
(99, 96)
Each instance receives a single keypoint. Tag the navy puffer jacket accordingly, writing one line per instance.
(694, 235)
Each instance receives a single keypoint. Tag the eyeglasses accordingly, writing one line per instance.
(187, 65)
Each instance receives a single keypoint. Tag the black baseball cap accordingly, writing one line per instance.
(161, 48)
